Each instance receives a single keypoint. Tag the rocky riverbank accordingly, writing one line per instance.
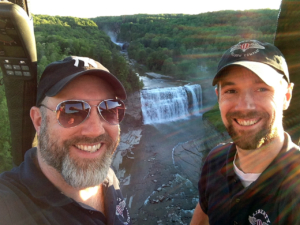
(159, 165)
(190, 156)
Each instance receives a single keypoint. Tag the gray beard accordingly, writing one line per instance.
(252, 141)
(78, 173)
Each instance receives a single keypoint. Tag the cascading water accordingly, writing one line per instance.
(169, 104)
(194, 93)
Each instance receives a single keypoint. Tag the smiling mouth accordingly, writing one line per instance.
(249, 122)
(89, 148)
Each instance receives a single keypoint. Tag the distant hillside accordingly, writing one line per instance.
(184, 46)
(58, 37)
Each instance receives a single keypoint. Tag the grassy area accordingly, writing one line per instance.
(214, 117)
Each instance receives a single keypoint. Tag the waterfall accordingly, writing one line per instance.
(113, 38)
(169, 104)
(194, 93)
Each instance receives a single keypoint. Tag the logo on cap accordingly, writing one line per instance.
(254, 46)
(86, 61)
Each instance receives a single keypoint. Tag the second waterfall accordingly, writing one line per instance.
(169, 104)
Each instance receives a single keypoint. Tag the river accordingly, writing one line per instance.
(156, 183)
(158, 161)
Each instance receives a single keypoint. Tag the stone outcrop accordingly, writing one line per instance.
(171, 203)
(189, 156)
(131, 133)
(125, 46)
(133, 117)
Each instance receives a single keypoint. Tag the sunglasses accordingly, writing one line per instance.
(71, 113)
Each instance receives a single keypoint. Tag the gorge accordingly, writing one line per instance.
(163, 143)
(161, 105)
(162, 147)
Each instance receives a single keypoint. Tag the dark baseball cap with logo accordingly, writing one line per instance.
(58, 74)
(264, 59)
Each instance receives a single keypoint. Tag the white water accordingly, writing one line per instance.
(196, 92)
(169, 104)
(113, 38)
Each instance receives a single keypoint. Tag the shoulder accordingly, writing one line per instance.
(217, 159)
(219, 153)
(9, 182)
(290, 162)
(16, 207)
(10, 202)
(5, 199)
(291, 157)
(15, 198)
(11, 186)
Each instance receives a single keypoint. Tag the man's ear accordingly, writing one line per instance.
(217, 92)
(288, 96)
(36, 117)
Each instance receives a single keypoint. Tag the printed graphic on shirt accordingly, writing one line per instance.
(259, 217)
(248, 49)
(122, 212)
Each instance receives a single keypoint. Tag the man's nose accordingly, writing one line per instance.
(93, 126)
(245, 101)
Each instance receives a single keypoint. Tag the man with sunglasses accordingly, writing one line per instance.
(67, 179)
(256, 179)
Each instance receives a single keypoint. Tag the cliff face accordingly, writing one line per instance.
(133, 117)
(209, 97)
(190, 156)
(214, 136)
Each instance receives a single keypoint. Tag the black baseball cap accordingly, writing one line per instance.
(262, 58)
(58, 74)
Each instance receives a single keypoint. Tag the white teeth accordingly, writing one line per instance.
(246, 122)
(89, 148)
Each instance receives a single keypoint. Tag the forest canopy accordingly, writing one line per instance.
(58, 37)
(185, 46)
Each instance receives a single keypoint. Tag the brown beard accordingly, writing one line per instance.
(251, 141)
(78, 173)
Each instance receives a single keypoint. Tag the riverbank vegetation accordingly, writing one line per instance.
(213, 116)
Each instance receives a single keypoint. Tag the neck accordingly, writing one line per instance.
(91, 196)
(257, 160)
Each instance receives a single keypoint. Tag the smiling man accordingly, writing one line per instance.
(67, 179)
(255, 179)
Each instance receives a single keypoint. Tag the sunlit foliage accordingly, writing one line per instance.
(184, 45)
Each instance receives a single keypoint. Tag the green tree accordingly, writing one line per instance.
(168, 67)
(58, 37)
(5, 141)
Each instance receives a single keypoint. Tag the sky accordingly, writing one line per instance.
(95, 8)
